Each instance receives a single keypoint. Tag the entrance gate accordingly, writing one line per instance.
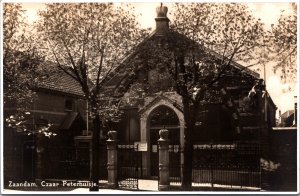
(129, 166)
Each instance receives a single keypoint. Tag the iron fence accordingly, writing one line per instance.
(175, 166)
(72, 163)
(233, 165)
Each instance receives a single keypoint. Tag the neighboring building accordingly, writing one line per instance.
(59, 101)
(288, 118)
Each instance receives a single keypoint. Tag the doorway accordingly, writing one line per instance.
(164, 117)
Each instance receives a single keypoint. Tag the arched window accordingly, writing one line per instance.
(163, 115)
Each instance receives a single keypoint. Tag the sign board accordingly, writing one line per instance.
(141, 146)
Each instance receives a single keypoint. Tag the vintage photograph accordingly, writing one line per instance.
(153, 97)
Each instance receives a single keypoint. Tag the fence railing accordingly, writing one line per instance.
(175, 166)
(72, 163)
(226, 165)
(129, 166)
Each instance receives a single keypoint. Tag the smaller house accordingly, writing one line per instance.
(58, 101)
(287, 119)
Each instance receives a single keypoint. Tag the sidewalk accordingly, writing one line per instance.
(148, 185)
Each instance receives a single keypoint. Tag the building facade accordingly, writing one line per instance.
(237, 113)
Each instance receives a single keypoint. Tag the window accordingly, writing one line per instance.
(69, 105)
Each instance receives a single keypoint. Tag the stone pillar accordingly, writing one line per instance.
(112, 160)
(163, 147)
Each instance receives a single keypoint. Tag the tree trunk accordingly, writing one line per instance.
(189, 117)
(94, 163)
(186, 181)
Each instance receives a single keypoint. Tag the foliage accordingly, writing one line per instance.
(20, 58)
(219, 35)
(227, 29)
(21, 67)
(283, 44)
(225, 33)
(269, 165)
(87, 41)
(20, 122)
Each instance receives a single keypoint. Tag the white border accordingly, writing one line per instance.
(101, 191)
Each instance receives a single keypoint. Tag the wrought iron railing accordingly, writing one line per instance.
(233, 165)
(129, 166)
(72, 163)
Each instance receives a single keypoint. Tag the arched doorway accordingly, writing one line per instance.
(160, 118)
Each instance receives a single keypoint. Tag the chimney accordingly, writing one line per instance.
(279, 113)
(279, 119)
(162, 21)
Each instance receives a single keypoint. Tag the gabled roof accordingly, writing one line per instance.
(121, 73)
(287, 114)
(56, 80)
(233, 63)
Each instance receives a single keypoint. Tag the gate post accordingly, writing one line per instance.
(163, 147)
(112, 160)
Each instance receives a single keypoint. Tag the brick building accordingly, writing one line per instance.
(151, 103)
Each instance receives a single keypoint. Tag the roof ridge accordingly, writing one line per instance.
(234, 63)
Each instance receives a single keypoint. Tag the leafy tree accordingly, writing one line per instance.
(87, 41)
(219, 35)
(283, 44)
(226, 33)
(20, 58)
(21, 67)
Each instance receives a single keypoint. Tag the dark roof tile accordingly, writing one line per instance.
(57, 80)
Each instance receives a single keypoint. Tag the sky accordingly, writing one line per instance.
(268, 12)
